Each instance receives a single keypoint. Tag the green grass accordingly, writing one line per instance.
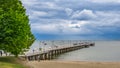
(10, 62)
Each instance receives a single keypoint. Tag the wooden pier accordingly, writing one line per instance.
(51, 54)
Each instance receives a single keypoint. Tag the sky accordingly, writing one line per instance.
(74, 19)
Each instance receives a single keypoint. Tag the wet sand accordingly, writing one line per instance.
(72, 64)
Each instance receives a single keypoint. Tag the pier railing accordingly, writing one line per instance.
(52, 53)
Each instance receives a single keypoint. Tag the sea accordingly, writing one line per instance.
(108, 51)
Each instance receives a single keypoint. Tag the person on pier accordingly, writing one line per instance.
(0, 53)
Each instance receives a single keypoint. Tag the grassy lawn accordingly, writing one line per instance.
(10, 62)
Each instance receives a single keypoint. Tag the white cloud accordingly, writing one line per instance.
(79, 24)
(50, 4)
(73, 17)
(44, 29)
(50, 28)
(105, 21)
(37, 4)
(29, 3)
(39, 13)
(68, 11)
(47, 5)
(84, 14)
(108, 18)
(61, 27)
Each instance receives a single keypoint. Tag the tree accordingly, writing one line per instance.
(15, 34)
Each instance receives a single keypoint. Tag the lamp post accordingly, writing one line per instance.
(40, 47)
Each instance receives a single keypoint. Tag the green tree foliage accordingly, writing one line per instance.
(15, 34)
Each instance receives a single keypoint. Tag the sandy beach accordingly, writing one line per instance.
(72, 64)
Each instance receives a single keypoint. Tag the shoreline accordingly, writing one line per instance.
(72, 64)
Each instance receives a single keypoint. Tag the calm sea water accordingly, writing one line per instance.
(102, 51)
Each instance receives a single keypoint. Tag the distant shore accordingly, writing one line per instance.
(72, 64)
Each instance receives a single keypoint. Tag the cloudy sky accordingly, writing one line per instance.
(74, 19)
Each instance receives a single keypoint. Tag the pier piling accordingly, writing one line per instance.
(48, 55)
